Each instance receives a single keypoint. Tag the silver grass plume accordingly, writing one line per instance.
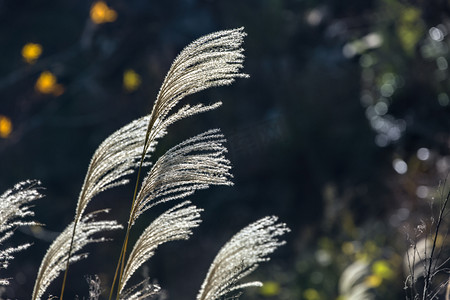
(54, 261)
(144, 290)
(14, 212)
(175, 224)
(119, 154)
(191, 165)
(352, 285)
(141, 291)
(241, 256)
(212, 60)
(115, 158)
(94, 287)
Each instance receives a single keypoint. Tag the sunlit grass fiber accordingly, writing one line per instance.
(195, 164)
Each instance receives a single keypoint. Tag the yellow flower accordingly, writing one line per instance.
(5, 126)
(31, 52)
(131, 80)
(101, 13)
(47, 84)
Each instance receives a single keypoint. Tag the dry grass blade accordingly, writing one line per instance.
(241, 256)
(192, 165)
(54, 261)
(174, 224)
(14, 212)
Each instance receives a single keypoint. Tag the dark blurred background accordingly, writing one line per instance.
(342, 130)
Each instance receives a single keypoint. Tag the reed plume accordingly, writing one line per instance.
(212, 60)
(193, 164)
(175, 224)
(142, 291)
(352, 283)
(54, 261)
(15, 211)
(240, 256)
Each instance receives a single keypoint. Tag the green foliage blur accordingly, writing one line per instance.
(342, 130)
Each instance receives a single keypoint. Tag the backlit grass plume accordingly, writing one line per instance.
(15, 211)
(142, 291)
(54, 261)
(213, 60)
(241, 256)
(118, 156)
(191, 165)
(352, 283)
(174, 224)
(197, 163)
(115, 158)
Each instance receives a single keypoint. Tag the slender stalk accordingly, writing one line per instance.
(77, 217)
(115, 274)
(122, 263)
(429, 275)
(68, 260)
(121, 259)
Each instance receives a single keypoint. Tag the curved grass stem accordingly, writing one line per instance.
(118, 275)
(68, 260)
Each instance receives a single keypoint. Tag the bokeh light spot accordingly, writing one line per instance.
(5, 126)
(443, 99)
(366, 60)
(382, 269)
(47, 84)
(422, 191)
(101, 13)
(31, 52)
(381, 108)
(387, 90)
(311, 294)
(381, 140)
(436, 34)
(315, 16)
(441, 63)
(423, 154)
(400, 166)
(131, 80)
(270, 288)
(348, 248)
(323, 257)
(374, 281)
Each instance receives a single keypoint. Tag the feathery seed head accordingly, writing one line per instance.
(14, 211)
(193, 164)
(241, 256)
(175, 224)
(54, 261)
